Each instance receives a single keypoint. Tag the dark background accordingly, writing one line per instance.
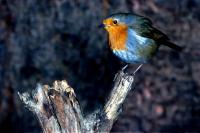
(46, 40)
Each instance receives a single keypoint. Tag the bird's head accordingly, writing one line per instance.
(118, 21)
(117, 26)
(113, 23)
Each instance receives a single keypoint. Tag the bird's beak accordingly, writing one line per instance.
(101, 25)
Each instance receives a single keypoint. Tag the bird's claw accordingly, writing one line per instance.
(121, 71)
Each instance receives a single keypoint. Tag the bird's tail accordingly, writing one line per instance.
(172, 45)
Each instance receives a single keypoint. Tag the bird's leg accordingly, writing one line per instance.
(124, 67)
(137, 69)
(127, 73)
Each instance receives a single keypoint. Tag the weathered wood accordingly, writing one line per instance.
(58, 110)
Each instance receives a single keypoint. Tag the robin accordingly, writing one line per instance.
(133, 39)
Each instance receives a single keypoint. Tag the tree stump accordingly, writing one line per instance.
(58, 109)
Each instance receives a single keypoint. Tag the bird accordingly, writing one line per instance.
(134, 39)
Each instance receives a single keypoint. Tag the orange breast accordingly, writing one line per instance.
(118, 37)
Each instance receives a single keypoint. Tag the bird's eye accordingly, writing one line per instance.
(114, 21)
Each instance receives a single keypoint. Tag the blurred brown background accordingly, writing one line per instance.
(46, 40)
